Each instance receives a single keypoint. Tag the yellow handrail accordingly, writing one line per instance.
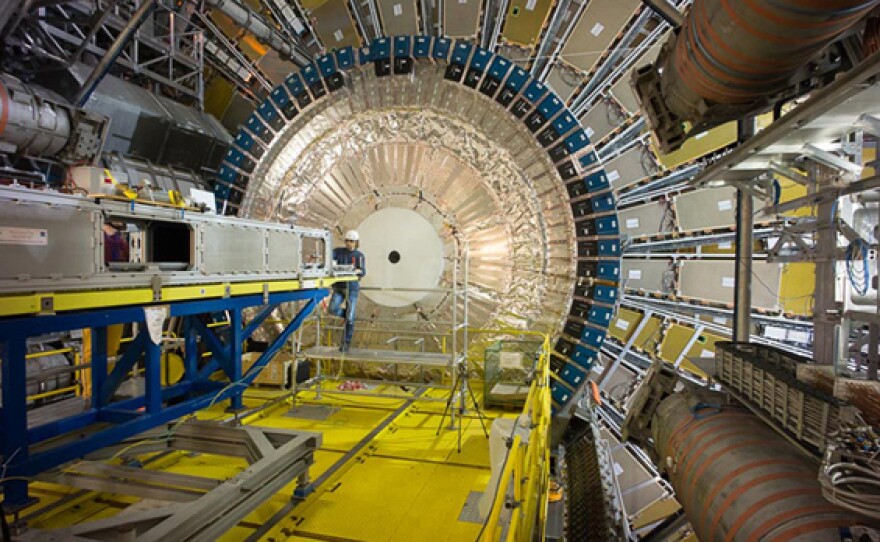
(45, 353)
(51, 393)
(526, 469)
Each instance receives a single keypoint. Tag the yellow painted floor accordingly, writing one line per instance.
(406, 484)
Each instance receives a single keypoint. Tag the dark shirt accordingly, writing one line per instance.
(343, 256)
(115, 248)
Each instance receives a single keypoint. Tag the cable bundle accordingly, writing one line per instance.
(850, 475)
(860, 279)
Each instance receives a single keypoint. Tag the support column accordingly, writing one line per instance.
(236, 336)
(13, 419)
(153, 376)
(826, 312)
(190, 349)
(745, 242)
(99, 365)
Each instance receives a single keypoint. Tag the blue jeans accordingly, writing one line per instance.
(347, 313)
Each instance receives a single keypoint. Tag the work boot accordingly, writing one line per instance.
(344, 347)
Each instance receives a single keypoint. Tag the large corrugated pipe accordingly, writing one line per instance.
(730, 56)
(738, 480)
(739, 51)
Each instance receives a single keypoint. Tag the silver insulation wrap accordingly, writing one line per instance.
(454, 156)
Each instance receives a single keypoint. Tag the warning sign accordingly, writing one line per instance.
(23, 236)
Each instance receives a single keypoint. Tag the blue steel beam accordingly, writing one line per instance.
(134, 415)
(123, 366)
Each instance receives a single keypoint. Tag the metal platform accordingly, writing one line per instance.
(433, 359)
(191, 507)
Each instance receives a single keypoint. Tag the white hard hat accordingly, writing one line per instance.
(352, 235)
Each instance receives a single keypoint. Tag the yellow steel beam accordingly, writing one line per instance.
(33, 303)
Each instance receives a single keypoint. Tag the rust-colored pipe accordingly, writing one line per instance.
(739, 51)
(729, 56)
(738, 480)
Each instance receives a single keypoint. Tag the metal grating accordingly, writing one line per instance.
(591, 514)
(470, 511)
(764, 379)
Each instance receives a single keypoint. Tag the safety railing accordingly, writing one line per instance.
(520, 503)
(77, 367)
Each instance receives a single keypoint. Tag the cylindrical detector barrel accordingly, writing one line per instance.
(737, 479)
(31, 120)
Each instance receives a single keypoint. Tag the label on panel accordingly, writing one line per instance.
(613, 175)
(720, 320)
(531, 5)
(728, 282)
(632, 223)
(618, 470)
(589, 131)
(635, 274)
(707, 353)
(24, 236)
(725, 246)
(338, 35)
(622, 324)
(725, 205)
(597, 29)
(398, 10)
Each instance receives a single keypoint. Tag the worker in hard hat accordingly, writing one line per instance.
(348, 291)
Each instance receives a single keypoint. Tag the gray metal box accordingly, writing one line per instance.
(40, 241)
(627, 168)
(714, 281)
(649, 275)
(642, 220)
(226, 248)
(283, 251)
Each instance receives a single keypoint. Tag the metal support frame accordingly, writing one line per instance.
(235, 54)
(666, 11)
(491, 28)
(673, 313)
(623, 49)
(698, 331)
(622, 138)
(275, 458)
(166, 49)
(129, 416)
(265, 31)
(545, 58)
(110, 56)
(611, 369)
(354, 7)
(426, 18)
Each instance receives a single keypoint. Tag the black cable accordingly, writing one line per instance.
(7, 536)
(500, 481)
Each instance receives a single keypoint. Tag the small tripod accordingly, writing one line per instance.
(460, 390)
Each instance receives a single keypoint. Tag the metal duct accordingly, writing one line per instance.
(737, 479)
(254, 23)
(152, 127)
(730, 57)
